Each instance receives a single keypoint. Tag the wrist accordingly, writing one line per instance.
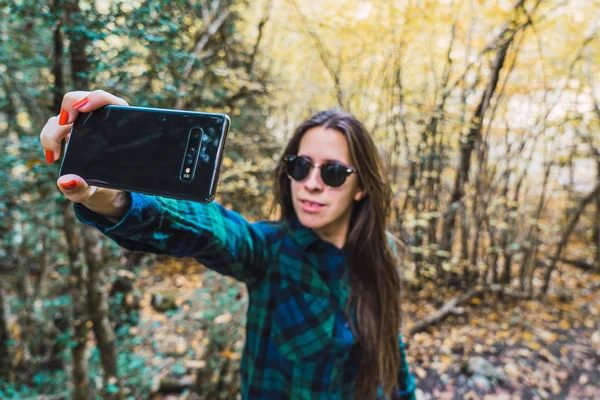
(111, 204)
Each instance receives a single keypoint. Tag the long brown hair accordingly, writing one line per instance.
(375, 284)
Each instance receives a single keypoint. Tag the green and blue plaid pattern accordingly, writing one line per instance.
(298, 342)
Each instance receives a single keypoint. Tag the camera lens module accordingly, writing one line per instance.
(190, 157)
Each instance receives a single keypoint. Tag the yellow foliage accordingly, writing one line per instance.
(564, 324)
(534, 346)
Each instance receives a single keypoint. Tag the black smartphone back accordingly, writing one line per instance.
(161, 152)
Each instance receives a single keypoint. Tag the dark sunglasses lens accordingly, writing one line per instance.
(333, 175)
(298, 168)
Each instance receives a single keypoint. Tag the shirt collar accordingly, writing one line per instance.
(302, 235)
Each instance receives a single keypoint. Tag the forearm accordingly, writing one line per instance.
(220, 239)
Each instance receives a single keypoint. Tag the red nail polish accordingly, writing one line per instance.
(49, 156)
(69, 185)
(81, 103)
(64, 117)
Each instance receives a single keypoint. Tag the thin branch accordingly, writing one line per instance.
(213, 27)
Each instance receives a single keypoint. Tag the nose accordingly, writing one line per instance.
(313, 182)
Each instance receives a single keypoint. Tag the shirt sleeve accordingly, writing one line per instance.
(220, 239)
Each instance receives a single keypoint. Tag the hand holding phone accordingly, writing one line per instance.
(113, 204)
(161, 152)
(164, 152)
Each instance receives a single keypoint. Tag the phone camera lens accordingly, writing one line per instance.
(162, 118)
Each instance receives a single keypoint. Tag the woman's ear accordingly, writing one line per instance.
(359, 195)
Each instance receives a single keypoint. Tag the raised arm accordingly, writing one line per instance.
(219, 238)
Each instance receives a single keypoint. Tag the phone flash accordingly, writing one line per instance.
(187, 170)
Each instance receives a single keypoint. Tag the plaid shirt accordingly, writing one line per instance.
(298, 343)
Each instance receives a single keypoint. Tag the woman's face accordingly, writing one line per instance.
(326, 210)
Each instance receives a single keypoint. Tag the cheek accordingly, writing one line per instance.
(342, 199)
(294, 188)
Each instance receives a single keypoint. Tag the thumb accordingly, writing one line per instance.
(75, 188)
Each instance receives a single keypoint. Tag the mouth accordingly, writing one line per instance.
(311, 206)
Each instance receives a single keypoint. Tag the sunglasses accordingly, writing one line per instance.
(333, 173)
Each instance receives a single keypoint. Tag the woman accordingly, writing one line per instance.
(323, 312)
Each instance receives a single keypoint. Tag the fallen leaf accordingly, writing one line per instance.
(564, 324)
(420, 372)
(534, 346)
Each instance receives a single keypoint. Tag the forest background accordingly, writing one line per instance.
(487, 115)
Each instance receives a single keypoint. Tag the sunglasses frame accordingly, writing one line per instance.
(348, 170)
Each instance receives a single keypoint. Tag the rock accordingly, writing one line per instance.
(481, 383)
(512, 370)
(180, 281)
(162, 303)
(123, 283)
(174, 345)
(223, 319)
(194, 364)
(484, 368)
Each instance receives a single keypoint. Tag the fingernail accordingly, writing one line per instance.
(69, 185)
(64, 117)
(81, 103)
(49, 156)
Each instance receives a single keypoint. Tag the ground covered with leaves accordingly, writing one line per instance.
(499, 348)
(503, 348)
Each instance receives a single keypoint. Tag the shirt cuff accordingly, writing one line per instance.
(143, 209)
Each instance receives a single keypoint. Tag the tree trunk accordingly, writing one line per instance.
(493, 257)
(4, 336)
(565, 237)
(596, 235)
(57, 66)
(78, 42)
(532, 235)
(78, 283)
(98, 303)
(473, 135)
(25, 294)
(42, 282)
(464, 246)
(504, 230)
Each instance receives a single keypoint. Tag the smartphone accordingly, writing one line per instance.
(162, 152)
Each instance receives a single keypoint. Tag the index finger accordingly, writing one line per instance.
(75, 102)
(58, 128)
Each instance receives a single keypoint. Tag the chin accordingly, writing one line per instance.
(312, 222)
